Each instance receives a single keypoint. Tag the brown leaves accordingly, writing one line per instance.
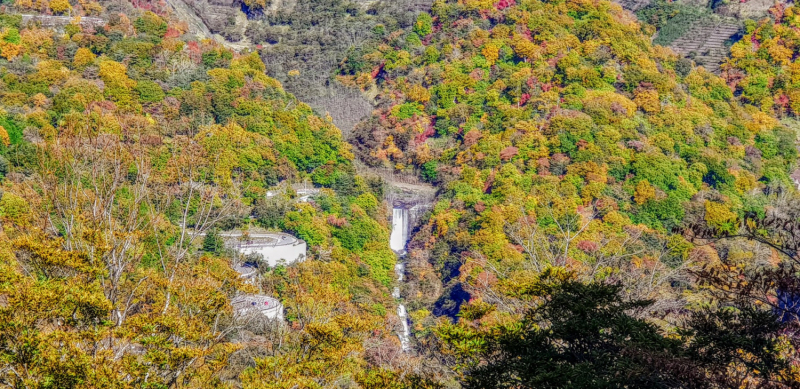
(509, 152)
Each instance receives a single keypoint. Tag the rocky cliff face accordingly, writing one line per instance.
(224, 17)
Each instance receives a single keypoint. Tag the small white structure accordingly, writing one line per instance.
(304, 191)
(256, 304)
(273, 247)
(247, 271)
(304, 195)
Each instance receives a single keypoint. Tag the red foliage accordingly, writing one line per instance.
(158, 7)
(525, 31)
(377, 70)
(587, 246)
(755, 43)
(336, 221)
(554, 61)
(777, 11)
(544, 166)
(486, 279)
(733, 77)
(195, 52)
(172, 33)
(524, 98)
(782, 100)
(472, 137)
(503, 4)
(508, 153)
(476, 74)
(427, 134)
(489, 181)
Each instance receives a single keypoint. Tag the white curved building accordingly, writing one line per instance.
(257, 304)
(274, 247)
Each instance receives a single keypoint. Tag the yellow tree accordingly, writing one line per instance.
(60, 7)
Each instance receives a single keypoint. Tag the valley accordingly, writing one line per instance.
(399, 194)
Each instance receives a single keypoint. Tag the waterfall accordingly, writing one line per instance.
(399, 237)
(404, 336)
(397, 242)
(400, 271)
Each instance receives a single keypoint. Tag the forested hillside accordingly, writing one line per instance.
(305, 42)
(607, 214)
(120, 147)
(762, 69)
(560, 137)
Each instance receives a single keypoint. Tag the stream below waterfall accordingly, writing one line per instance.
(397, 242)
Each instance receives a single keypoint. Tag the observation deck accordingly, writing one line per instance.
(257, 304)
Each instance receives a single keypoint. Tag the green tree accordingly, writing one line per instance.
(585, 336)
(213, 243)
(151, 24)
(149, 91)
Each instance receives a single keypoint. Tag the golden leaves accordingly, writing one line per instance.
(419, 94)
(115, 74)
(83, 57)
(644, 192)
(10, 46)
(4, 139)
(720, 216)
(14, 209)
(491, 52)
(648, 100)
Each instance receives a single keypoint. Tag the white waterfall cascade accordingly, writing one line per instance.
(397, 242)
(399, 236)
(405, 342)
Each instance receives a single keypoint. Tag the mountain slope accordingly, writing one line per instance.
(123, 145)
(559, 136)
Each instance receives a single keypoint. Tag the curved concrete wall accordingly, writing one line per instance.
(253, 304)
(272, 254)
(272, 246)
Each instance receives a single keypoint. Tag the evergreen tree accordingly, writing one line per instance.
(213, 243)
(587, 336)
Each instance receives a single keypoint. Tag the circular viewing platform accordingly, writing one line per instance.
(273, 247)
(251, 304)
(273, 239)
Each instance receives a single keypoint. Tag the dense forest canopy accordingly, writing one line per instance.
(122, 145)
(560, 136)
(607, 214)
